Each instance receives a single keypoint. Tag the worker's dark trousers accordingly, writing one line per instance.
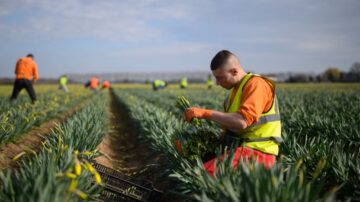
(19, 85)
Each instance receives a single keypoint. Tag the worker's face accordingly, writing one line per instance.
(225, 76)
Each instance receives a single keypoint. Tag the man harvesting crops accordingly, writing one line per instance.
(209, 82)
(159, 84)
(251, 118)
(183, 83)
(63, 82)
(26, 75)
(93, 83)
(106, 84)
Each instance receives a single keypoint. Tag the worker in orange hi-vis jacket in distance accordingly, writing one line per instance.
(93, 84)
(105, 85)
(26, 75)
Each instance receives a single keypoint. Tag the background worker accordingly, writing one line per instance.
(209, 82)
(105, 85)
(251, 118)
(183, 83)
(63, 82)
(159, 84)
(26, 75)
(93, 84)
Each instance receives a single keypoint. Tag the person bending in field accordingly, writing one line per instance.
(159, 84)
(26, 75)
(63, 83)
(106, 84)
(209, 82)
(93, 84)
(251, 118)
(183, 83)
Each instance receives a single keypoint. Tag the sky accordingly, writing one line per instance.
(104, 36)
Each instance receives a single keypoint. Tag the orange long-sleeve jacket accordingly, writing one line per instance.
(106, 84)
(26, 69)
(256, 98)
(94, 82)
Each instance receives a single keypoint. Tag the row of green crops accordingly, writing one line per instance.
(324, 125)
(160, 125)
(6, 90)
(20, 116)
(61, 170)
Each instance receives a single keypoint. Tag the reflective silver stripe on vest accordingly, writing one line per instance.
(228, 138)
(278, 140)
(269, 118)
(266, 119)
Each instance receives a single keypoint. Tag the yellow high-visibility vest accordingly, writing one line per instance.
(158, 83)
(210, 82)
(264, 135)
(63, 80)
(183, 82)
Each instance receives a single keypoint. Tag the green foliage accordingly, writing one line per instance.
(253, 182)
(331, 74)
(198, 139)
(319, 158)
(54, 174)
(320, 129)
(20, 116)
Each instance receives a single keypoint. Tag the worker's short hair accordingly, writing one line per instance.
(30, 55)
(220, 59)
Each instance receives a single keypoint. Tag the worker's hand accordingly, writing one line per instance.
(195, 112)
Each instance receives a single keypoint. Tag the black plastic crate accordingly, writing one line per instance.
(120, 187)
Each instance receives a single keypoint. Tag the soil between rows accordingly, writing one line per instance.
(123, 150)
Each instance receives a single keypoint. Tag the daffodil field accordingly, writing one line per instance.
(20, 116)
(319, 159)
(61, 170)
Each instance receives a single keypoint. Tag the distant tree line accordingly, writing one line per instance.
(331, 74)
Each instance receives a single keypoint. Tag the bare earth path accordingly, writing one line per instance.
(121, 148)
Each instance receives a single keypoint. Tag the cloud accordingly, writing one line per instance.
(8, 7)
(315, 46)
(110, 20)
(166, 50)
(265, 34)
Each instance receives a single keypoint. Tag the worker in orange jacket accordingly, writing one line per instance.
(26, 75)
(106, 84)
(251, 118)
(93, 84)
